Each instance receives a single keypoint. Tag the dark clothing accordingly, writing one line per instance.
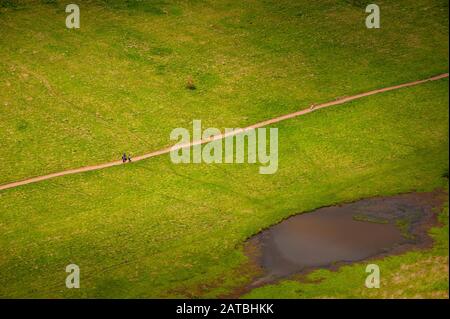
(124, 158)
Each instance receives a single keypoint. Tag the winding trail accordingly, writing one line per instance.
(221, 136)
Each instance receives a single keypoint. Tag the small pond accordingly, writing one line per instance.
(345, 233)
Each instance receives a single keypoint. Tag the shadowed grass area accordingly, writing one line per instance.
(156, 229)
(71, 98)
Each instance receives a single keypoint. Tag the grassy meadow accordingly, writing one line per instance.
(157, 229)
(71, 98)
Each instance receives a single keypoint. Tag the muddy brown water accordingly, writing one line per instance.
(345, 233)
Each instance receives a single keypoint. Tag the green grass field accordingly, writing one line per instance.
(77, 97)
(156, 229)
(70, 98)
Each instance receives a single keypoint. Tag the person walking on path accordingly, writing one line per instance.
(129, 158)
(124, 158)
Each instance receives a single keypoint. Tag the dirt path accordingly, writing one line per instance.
(221, 136)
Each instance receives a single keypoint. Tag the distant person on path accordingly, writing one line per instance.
(124, 158)
(129, 158)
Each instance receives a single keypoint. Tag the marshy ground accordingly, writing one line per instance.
(342, 234)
